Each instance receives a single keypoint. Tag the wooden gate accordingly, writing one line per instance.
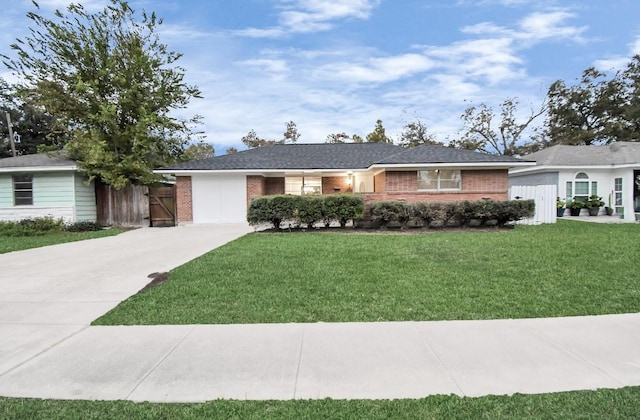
(162, 206)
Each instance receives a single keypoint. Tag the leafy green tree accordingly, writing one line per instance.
(378, 135)
(414, 133)
(480, 132)
(291, 135)
(589, 112)
(338, 138)
(31, 123)
(357, 139)
(112, 86)
(251, 140)
(198, 151)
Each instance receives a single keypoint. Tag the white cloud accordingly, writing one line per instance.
(543, 25)
(375, 70)
(618, 62)
(306, 16)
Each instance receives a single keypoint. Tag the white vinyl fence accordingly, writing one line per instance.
(545, 197)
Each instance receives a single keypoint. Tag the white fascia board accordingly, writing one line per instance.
(458, 165)
(39, 169)
(554, 168)
(186, 172)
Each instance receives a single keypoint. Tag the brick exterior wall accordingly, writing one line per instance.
(255, 187)
(476, 185)
(184, 200)
(335, 184)
(274, 186)
(401, 181)
(379, 182)
(490, 181)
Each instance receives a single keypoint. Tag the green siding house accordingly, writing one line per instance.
(40, 185)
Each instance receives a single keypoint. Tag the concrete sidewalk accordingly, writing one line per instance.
(337, 360)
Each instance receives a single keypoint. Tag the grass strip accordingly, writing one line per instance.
(566, 269)
(605, 403)
(19, 243)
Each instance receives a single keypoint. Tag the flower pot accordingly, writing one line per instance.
(574, 212)
(593, 211)
(609, 211)
(560, 211)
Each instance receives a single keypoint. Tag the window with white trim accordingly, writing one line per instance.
(439, 179)
(581, 188)
(617, 190)
(23, 190)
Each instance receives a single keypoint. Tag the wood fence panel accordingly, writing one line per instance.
(127, 207)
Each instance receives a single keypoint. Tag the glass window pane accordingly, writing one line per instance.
(293, 185)
(449, 179)
(23, 190)
(594, 188)
(582, 188)
(427, 180)
(569, 190)
(618, 184)
(582, 175)
(312, 186)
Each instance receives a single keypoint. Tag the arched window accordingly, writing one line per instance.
(581, 188)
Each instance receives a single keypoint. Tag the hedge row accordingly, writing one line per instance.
(460, 213)
(38, 226)
(305, 210)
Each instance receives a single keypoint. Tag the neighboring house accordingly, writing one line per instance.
(39, 185)
(219, 189)
(611, 172)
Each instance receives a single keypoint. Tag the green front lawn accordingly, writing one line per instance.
(601, 404)
(565, 269)
(18, 243)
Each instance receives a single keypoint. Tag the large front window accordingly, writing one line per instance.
(297, 185)
(581, 188)
(439, 179)
(22, 190)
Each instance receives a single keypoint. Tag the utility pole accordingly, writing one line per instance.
(13, 145)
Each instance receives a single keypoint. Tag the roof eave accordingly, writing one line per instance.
(38, 169)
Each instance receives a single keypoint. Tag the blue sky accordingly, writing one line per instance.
(339, 65)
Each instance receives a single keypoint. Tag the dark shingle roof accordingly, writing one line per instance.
(438, 154)
(297, 156)
(38, 160)
(619, 153)
(340, 156)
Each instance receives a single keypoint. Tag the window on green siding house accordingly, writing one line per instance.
(22, 190)
(439, 179)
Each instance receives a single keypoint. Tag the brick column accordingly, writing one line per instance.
(184, 200)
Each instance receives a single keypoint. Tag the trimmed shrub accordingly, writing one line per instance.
(272, 209)
(392, 211)
(309, 210)
(342, 207)
(84, 226)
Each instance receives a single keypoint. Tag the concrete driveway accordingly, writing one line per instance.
(49, 294)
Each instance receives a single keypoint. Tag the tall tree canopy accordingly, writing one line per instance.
(291, 135)
(378, 135)
(414, 133)
(597, 109)
(111, 85)
(482, 132)
(31, 123)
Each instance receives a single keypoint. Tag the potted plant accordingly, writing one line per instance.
(575, 206)
(593, 204)
(560, 207)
